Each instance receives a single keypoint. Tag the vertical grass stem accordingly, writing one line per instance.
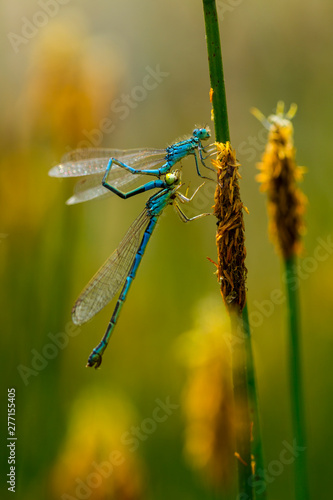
(216, 71)
(296, 386)
(245, 394)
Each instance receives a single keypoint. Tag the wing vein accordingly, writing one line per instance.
(104, 285)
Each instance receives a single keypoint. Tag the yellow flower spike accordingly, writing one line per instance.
(278, 177)
(286, 206)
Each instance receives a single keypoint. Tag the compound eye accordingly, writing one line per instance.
(205, 133)
(170, 178)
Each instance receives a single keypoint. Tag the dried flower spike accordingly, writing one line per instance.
(230, 237)
(278, 176)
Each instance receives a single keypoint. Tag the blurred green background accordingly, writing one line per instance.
(67, 68)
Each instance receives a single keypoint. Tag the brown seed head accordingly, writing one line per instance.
(228, 209)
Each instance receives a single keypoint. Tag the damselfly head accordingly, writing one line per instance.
(202, 133)
(173, 177)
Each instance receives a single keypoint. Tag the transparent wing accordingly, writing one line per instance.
(210, 149)
(112, 275)
(90, 187)
(89, 153)
(92, 161)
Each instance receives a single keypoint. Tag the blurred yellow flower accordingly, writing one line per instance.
(66, 93)
(71, 81)
(93, 462)
(207, 397)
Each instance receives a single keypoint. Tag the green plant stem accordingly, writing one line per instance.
(257, 450)
(242, 406)
(243, 367)
(216, 71)
(296, 386)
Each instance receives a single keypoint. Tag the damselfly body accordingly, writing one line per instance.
(120, 268)
(123, 165)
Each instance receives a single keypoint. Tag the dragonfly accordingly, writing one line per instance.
(122, 166)
(119, 270)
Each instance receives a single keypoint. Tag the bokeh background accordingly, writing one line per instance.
(74, 74)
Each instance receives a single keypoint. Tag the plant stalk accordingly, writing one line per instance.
(257, 450)
(245, 393)
(242, 406)
(216, 71)
(296, 386)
